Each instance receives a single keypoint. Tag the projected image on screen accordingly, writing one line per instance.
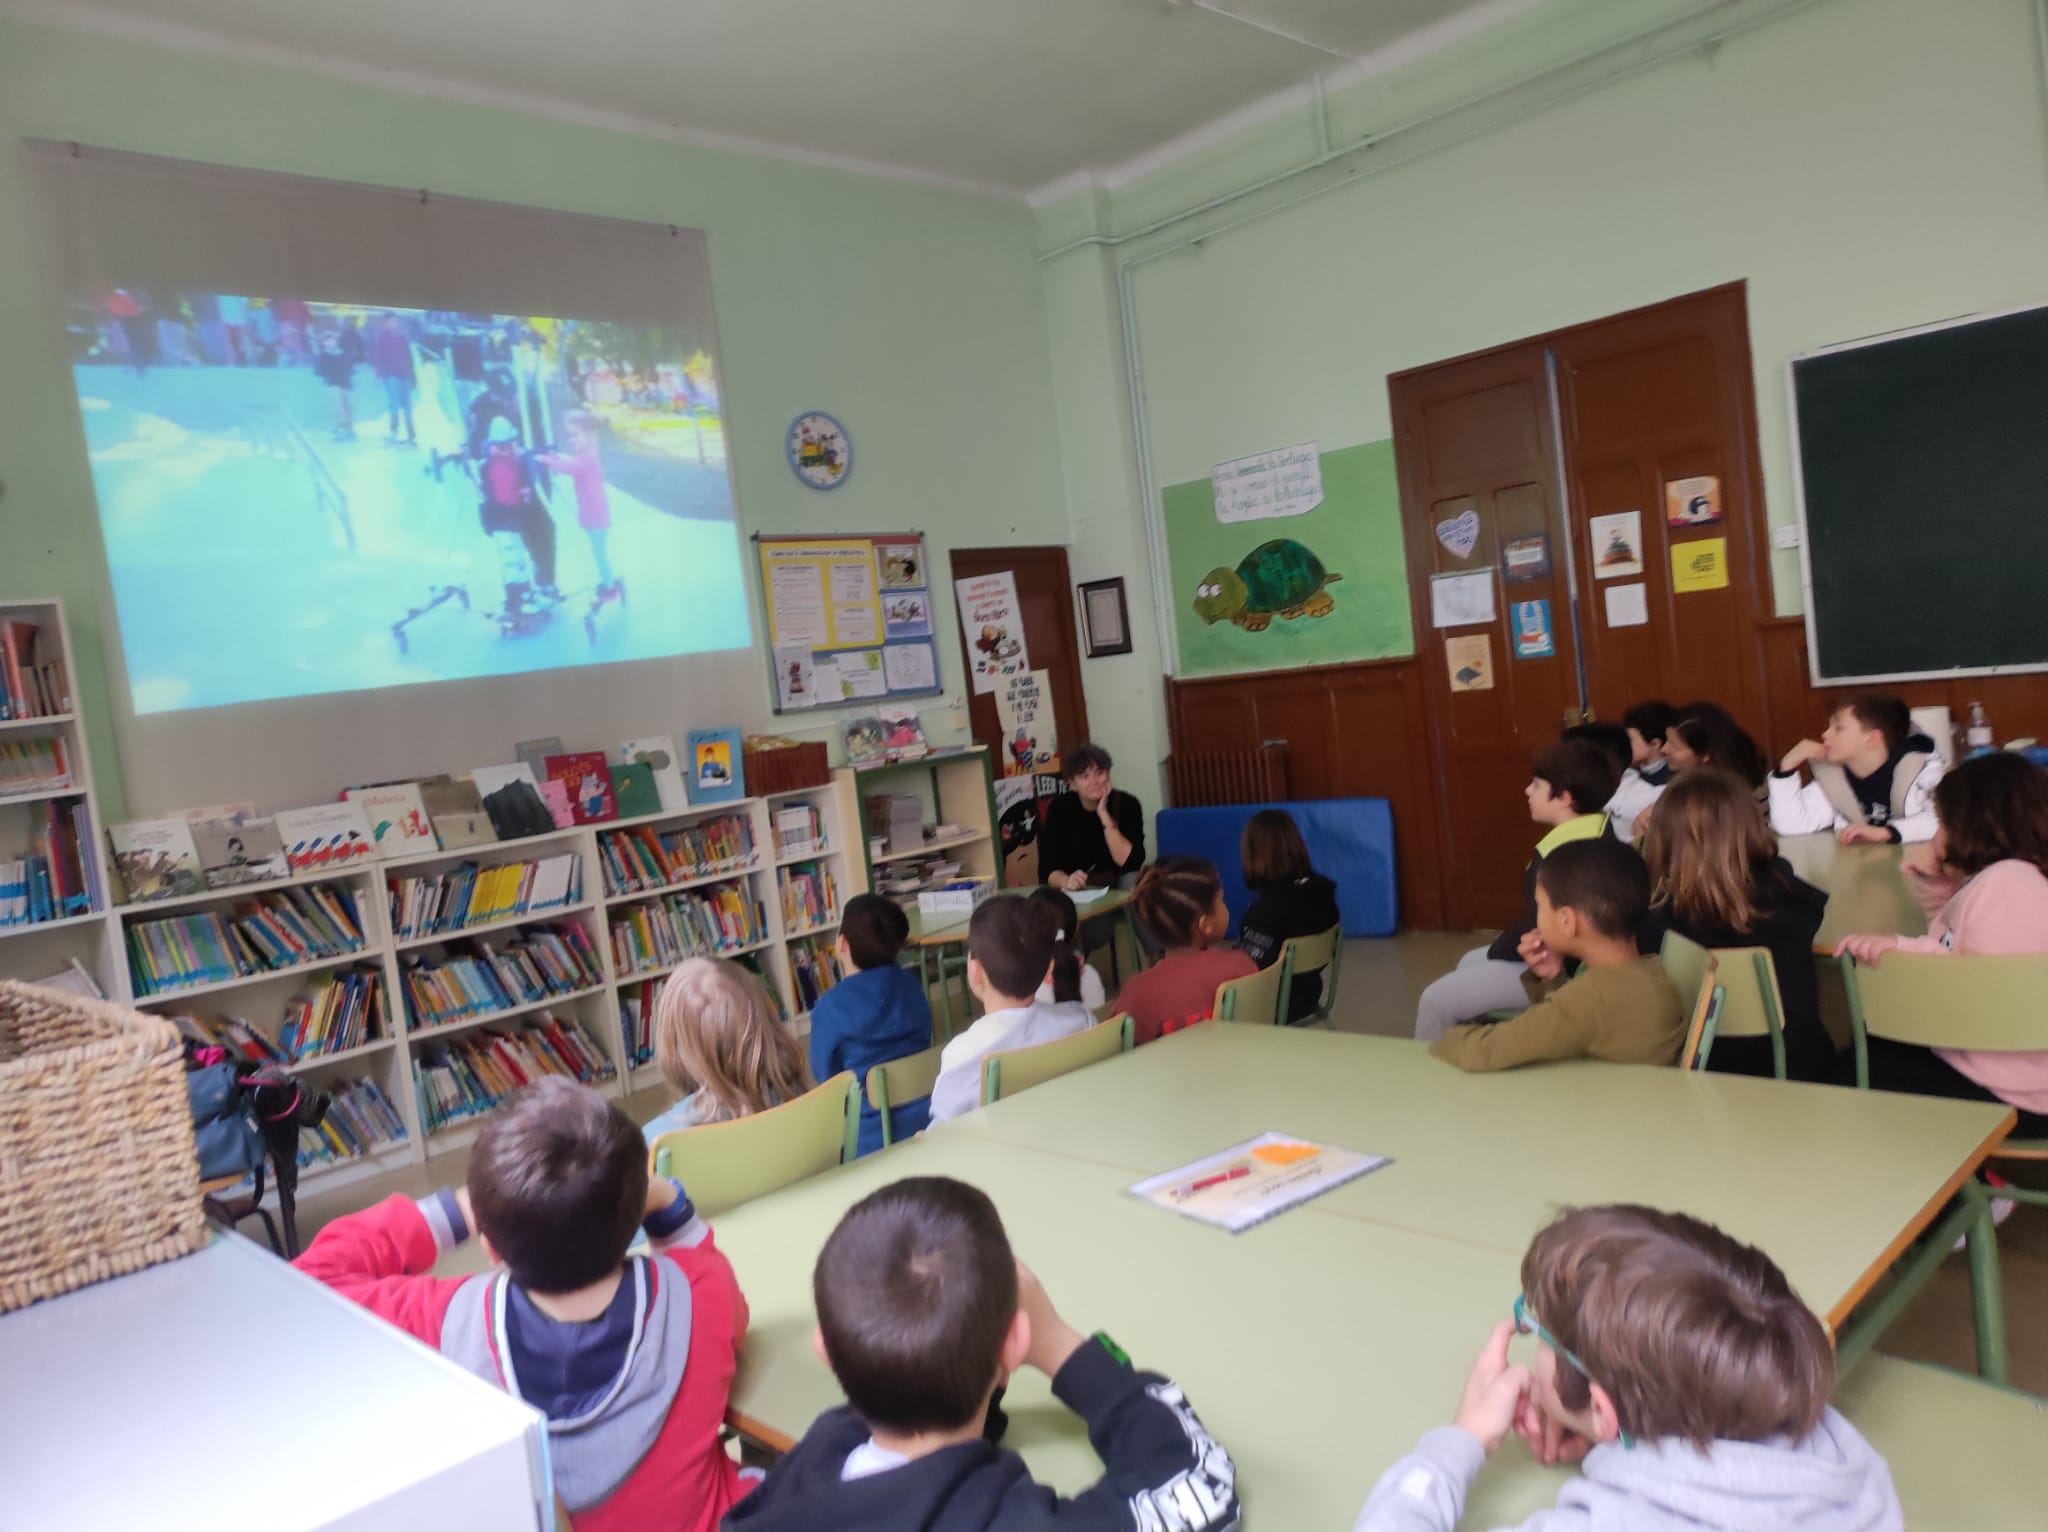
(303, 497)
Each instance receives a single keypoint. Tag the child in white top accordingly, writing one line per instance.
(1010, 944)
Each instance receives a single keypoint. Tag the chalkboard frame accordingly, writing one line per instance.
(2038, 310)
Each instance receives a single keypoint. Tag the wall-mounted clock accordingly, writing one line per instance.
(820, 451)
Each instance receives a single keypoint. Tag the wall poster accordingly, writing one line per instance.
(849, 619)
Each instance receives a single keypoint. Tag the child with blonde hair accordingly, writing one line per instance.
(720, 1044)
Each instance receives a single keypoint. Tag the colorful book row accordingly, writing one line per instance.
(641, 859)
(469, 1075)
(813, 969)
(277, 931)
(539, 964)
(809, 897)
(470, 895)
(30, 687)
(34, 766)
(799, 830)
(59, 876)
(360, 1120)
(701, 923)
(638, 1006)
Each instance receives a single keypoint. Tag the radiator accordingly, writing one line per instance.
(1197, 779)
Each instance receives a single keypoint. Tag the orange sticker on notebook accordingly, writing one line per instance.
(1285, 1154)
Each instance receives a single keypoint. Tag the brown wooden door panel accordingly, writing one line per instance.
(1475, 437)
(1045, 602)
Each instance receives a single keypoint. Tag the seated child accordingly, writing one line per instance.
(1647, 724)
(1716, 877)
(1072, 978)
(1703, 734)
(721, 1046)
(878, 1012)
(1568, 789)
(1681, 1367)
(1289, 898)
(630, 1357)
(1873, 777)
(1010, 944)
(1591, 897)
(1983, 881)
(1179, 900)
(1633, 797)
(923, 1315)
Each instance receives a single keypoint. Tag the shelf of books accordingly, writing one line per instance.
(54, 896)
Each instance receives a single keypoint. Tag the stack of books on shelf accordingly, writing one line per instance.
(808, 898)
(799, 830)
(638, 859)
(469, 1075)
(360, 1120)
(30, 687)
(813, 968)
(638, 1006)
(334, 1013)
(701, 923)
(470, 895)
(34, 766)
(60, 875)
(482, 979)
(278, 931)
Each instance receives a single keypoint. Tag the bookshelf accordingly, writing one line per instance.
(956, 787)
(38, 722)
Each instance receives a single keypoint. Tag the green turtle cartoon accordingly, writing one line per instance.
(1280, 578)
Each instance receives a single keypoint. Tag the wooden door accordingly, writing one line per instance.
(1475, 446)
(1654, 398)
(1045, 600)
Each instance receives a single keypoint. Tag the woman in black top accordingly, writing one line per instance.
(1290, 898)
(1093, 836)
(1717, 878)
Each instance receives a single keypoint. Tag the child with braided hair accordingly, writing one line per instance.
(1179, 902)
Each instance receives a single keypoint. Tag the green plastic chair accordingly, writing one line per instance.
(1005, 1074)
(1304, 955)
(723, 1164)
(900, 1082)
(1695, 974)
(1988, 1005)
(1750, 1003)
(1255, 998)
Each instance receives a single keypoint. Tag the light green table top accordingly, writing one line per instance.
(1866, 890)
(945, 930)
(1320, 1345)
(1829, 1181)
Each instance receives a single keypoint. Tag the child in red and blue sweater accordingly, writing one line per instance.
(631, 1358)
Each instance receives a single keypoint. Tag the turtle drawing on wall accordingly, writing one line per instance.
(1276, 579)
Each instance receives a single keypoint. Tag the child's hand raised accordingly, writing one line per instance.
(1494, 1391)
(1053, 1340)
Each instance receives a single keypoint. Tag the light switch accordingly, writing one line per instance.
(1785, 538)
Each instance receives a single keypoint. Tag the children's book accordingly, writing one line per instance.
(219, 811)
(1250, 1182)
(456, 810)
(716, 774)
(397, 817)
(658, 754)
(325, 835)
(634, 790)
(588, 778)
(890, 734)
(554, 796)
(233, 851)
(156, 858)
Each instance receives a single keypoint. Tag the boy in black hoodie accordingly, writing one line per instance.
(923, 1313)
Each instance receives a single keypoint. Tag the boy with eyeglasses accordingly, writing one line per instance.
(1679, 1368)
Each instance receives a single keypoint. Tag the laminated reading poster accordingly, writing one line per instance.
(1250, 1182)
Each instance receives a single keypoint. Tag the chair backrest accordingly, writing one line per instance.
(1705, 1013)
(1304, 955)
(726, 1163)
(1255, 998)
(1685, 961)
(901, 1081)
(1991, 1004)
(1005, 1074)
(1750, 1003)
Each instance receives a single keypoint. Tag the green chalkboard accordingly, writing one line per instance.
(1924, 463)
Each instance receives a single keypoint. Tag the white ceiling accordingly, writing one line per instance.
(1009, 96)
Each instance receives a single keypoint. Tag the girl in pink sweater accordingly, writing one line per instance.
(1983, 880)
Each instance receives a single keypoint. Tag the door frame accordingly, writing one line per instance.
(1552, 349)
(1070, 664)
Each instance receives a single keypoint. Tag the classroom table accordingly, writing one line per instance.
(1318, 1346)
(1867, 891)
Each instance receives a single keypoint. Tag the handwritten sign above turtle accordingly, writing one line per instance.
(1287, 482)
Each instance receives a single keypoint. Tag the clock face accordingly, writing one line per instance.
(820, 452)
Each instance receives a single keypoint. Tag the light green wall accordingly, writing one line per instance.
(1863, 164)
(917, 316)
(1355, 532)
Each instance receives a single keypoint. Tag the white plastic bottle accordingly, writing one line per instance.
(1979, 739)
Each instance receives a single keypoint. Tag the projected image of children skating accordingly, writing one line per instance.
(307, 497)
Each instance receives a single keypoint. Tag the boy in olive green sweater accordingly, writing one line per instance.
(1591, 896)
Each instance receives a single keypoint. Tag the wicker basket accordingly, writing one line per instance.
(98, 1174)
(787, 769)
